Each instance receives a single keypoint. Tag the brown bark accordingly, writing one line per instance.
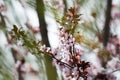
(106, 30)
(43, 26)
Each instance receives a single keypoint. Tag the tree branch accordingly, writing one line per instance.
(43, 26)
(106, 30)
(65, 6)
(43, 29)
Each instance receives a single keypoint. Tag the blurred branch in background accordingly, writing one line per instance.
(65, 5)
(2, 20)
(106, 30)
(43, 26)
(43, 29)
(14, 54)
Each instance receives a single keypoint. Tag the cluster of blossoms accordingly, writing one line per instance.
(67, 58)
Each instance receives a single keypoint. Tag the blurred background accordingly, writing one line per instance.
(99, 25)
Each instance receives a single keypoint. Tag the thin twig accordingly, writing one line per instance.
(57, 59)
(62, 62)
(115, 70)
